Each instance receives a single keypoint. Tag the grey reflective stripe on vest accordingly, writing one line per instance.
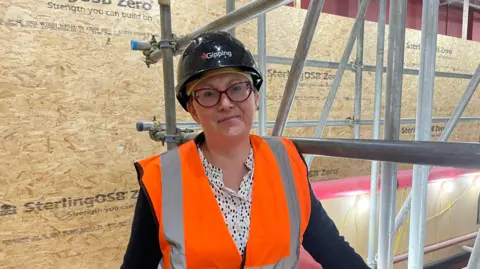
(283, 161)
(172, 206)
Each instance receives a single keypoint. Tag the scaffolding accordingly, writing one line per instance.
(388, 151)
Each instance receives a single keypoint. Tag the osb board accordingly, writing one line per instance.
(71, 92)
(332, 33)
(315, 84)
(453, 55)
(70, 100)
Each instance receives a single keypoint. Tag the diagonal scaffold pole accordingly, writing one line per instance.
(169, 46)
(232, 19)
(449, 127)
(226, 22)
(339, 74)
(303, 46)
(382, 14)
(393, 101)
(428, 49)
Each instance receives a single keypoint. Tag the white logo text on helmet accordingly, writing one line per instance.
(216, 54)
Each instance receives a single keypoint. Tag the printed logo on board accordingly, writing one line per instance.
(305, 75)
(440, 49)
(217, 54)
(6, 210)
(88, 202)
(71, 203)
(130, 4)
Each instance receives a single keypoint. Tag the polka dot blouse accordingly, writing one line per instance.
(235, 206)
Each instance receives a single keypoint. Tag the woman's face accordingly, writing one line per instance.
(216, 112)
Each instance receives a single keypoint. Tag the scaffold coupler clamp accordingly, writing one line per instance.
(172, 44)
(157, 132)
(357, 65)
(155, 53)
(153, 49)
(352, 121)
(178, 138)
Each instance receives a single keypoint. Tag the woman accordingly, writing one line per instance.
(228, 199)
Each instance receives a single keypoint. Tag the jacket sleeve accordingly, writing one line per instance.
(143, 249)
(323, 241)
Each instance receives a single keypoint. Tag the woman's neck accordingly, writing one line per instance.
(223, 151)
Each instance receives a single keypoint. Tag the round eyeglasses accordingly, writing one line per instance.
(209, 97)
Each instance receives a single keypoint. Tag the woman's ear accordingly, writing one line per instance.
(257, 97)
(192, 111)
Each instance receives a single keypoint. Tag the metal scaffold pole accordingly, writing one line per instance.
(230, 6)
(234, 18)
(382, 14)
(462, 105)
(449, 127)
(226, 22)
(366, 68)
(390, 151)
(474, 261)
(308, 31)
(339, 74)
(357, 108)
(466, 6)
(456, 155)
(423, 127)
(393, 100)
(262, 62)
(312, 123)
(167, 47)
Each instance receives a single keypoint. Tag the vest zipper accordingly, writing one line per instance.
(244, 258)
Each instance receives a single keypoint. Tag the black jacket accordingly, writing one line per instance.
(321, 239)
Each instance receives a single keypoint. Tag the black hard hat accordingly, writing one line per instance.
(209, 51)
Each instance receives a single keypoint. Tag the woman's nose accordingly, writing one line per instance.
(225, 102)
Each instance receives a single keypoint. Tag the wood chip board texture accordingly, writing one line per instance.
(71, 92)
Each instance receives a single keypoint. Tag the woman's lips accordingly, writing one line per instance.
(228, 118)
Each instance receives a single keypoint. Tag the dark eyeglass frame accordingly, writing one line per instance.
(249, 86)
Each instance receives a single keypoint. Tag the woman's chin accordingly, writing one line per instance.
(232, 130)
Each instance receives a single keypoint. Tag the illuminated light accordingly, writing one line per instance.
(353, 201)
(444, 179)
(355, 193)
(477, 182)
(440, 180)
(471, 175)
(447, 186)
(363, 204)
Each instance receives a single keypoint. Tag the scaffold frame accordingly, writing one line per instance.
(387, 151)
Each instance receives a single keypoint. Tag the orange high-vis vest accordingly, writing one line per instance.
(192, 231)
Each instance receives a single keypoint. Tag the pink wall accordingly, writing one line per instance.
(331, 189)
(475, 21)
(450, 18)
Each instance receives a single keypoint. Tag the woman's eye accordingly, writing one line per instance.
(208, 93)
